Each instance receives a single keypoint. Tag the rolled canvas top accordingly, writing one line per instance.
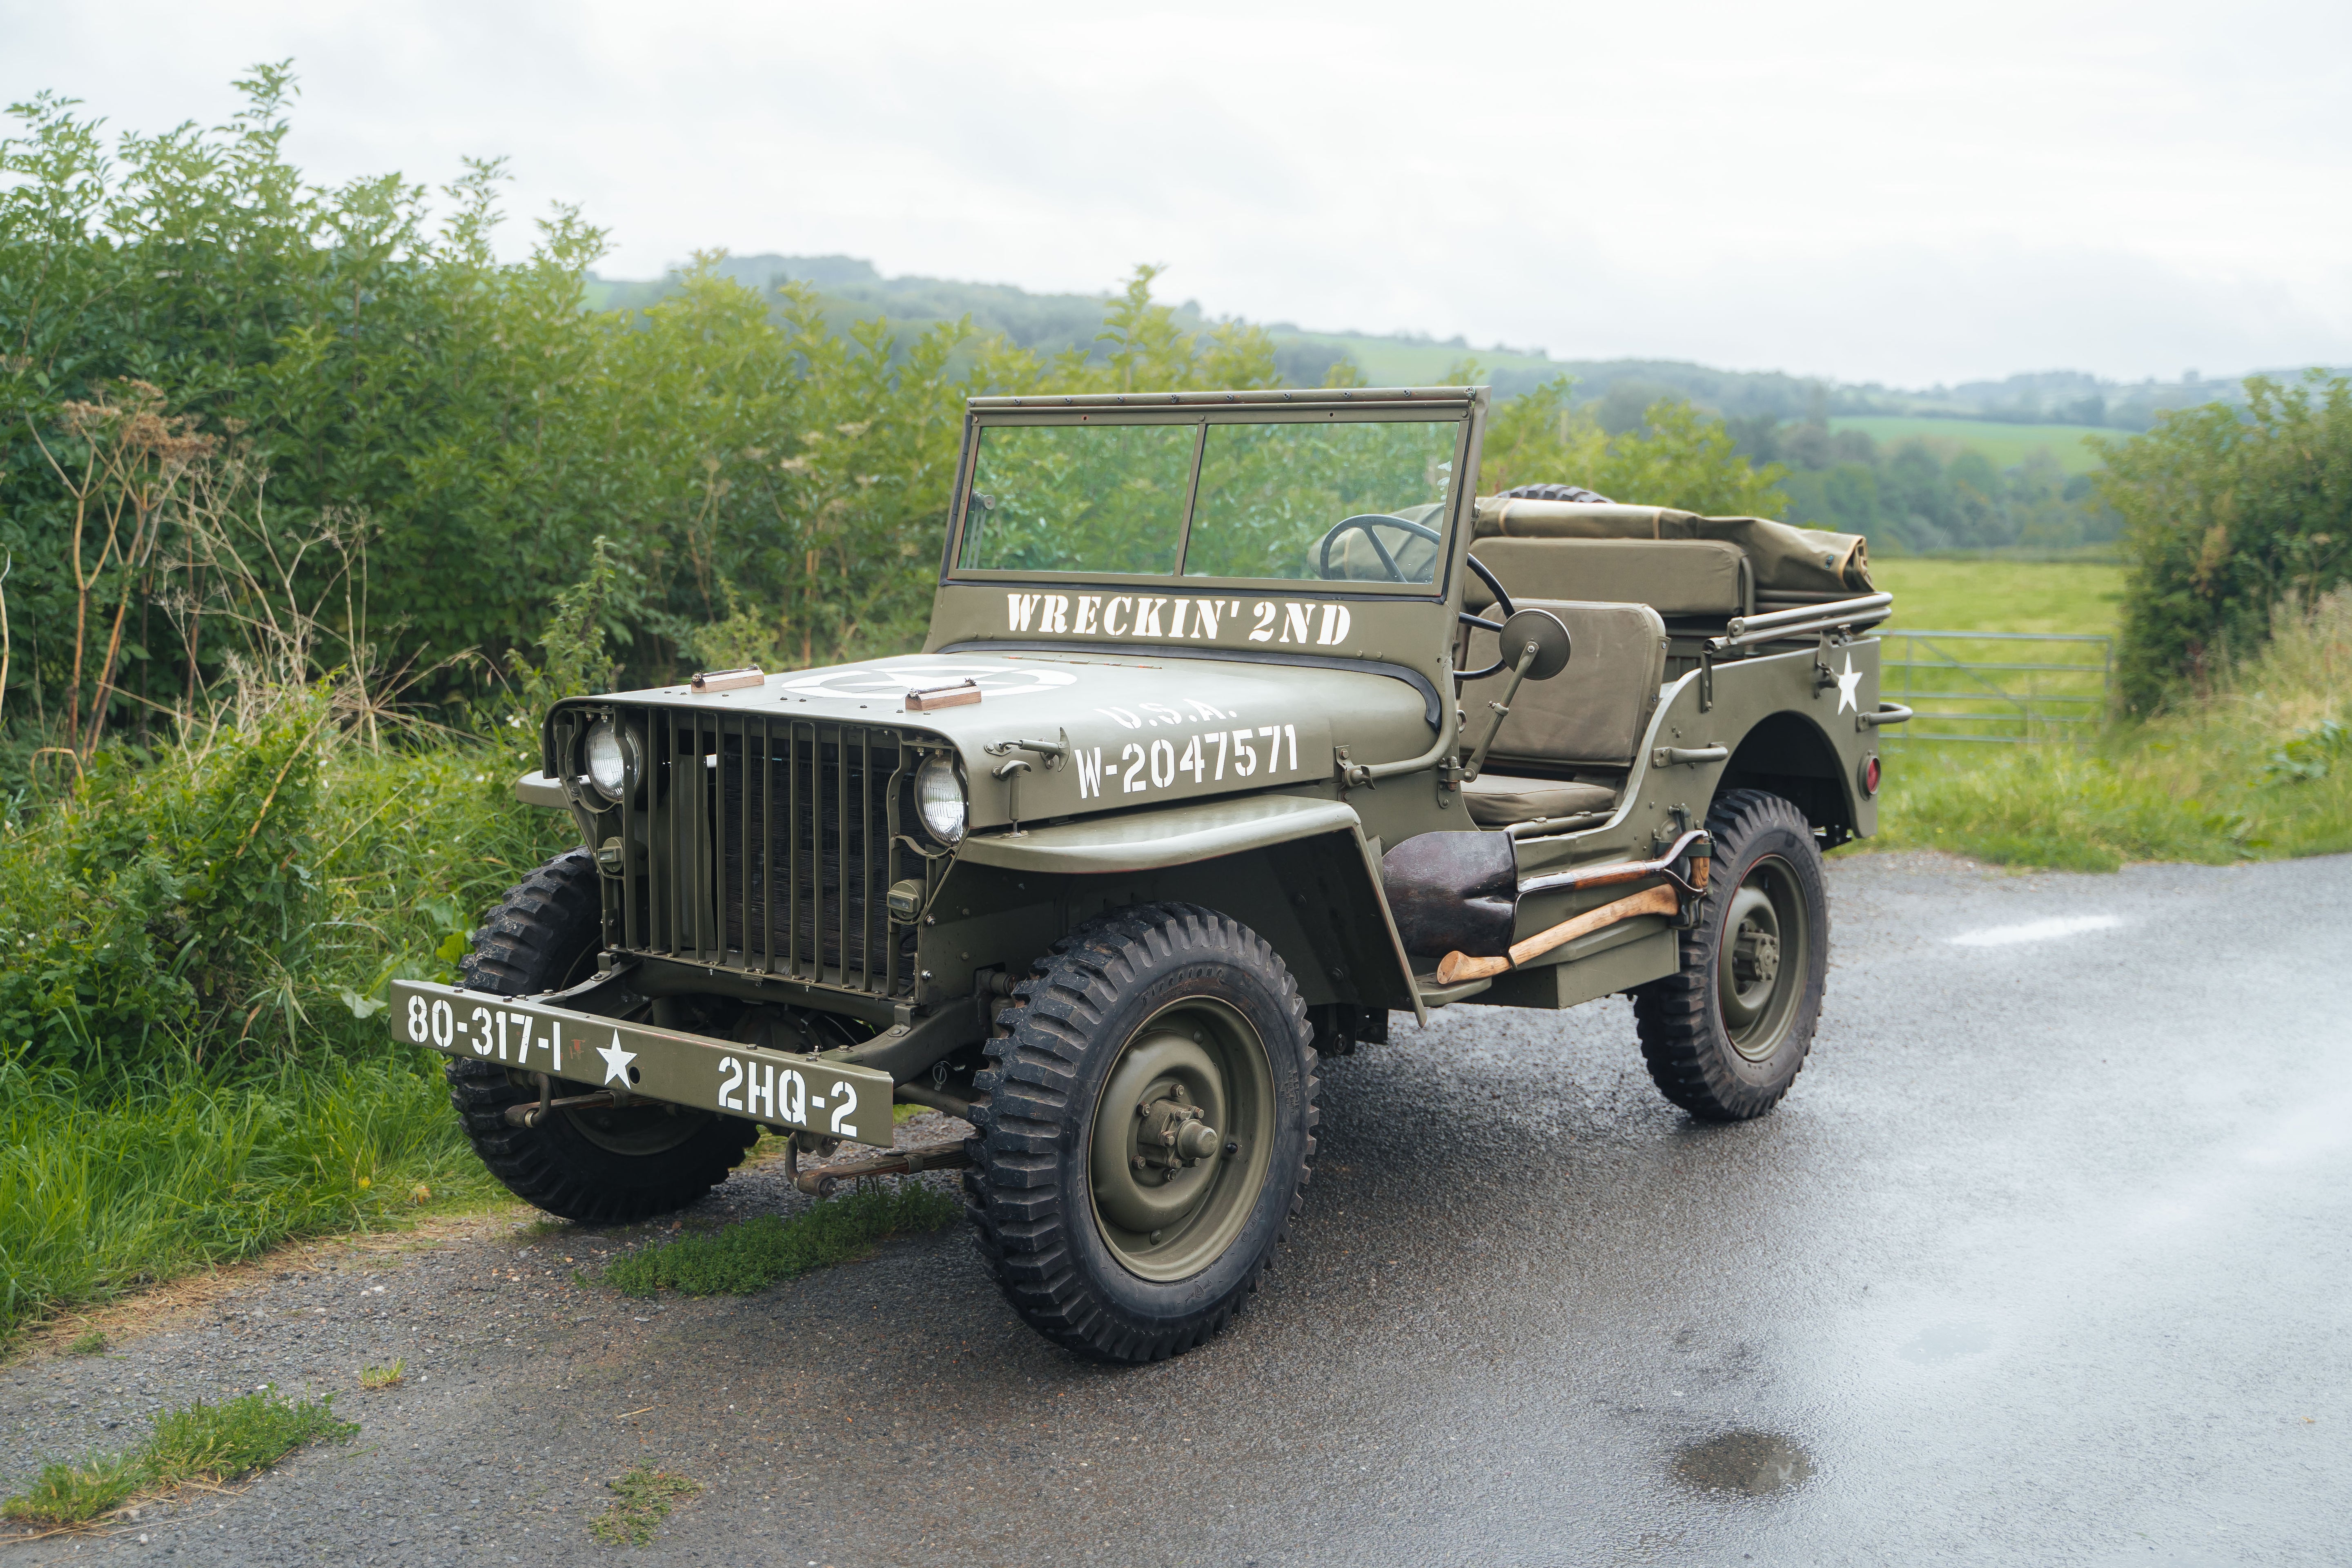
(1788, 558)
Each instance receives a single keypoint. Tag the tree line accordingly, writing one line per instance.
(250, 422)
(230, 393)
(1923, 496)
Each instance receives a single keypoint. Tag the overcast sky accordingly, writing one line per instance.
(1905, 193)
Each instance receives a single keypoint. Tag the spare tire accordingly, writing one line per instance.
(1558, 492)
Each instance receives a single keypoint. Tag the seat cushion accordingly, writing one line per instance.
(1497, 800)
(1594, 713)
(1673, 576)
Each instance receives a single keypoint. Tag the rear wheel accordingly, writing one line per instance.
(1726, 1035)
(601, 1166)
(1146, 1132)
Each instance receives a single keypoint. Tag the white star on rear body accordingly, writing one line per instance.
(616, 1060)
(1847, 683)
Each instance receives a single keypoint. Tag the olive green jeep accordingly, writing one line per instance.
(1244, 724)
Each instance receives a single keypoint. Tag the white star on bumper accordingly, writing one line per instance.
(1847, 683)
(616, 1060)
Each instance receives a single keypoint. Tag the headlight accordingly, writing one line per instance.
(608, 760)
(938, 799)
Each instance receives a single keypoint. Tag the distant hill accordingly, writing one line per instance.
(852, 289)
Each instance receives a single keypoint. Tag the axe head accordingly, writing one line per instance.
(1453, 892)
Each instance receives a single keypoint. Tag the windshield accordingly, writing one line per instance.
(1358, 500)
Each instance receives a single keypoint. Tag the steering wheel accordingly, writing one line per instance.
(1502, 603)
(1366, 521)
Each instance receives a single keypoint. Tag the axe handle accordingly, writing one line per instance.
(1658, 900)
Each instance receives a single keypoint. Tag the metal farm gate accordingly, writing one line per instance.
(1997, 688)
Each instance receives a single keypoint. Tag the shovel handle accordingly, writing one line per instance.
(1460, 966)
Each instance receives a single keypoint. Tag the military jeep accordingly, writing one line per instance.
(1244, 724)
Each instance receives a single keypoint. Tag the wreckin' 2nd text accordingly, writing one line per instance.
(1275, 621)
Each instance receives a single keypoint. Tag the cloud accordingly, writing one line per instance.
(1832, 189)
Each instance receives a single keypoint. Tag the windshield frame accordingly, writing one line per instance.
(1454, 405)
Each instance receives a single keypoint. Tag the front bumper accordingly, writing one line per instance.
(777, 1089)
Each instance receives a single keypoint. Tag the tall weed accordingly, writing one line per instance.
(2249, 771)
(193, 953)
(101, 1191)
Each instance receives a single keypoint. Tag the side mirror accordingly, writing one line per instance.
(1549, 636)
(1535, 647)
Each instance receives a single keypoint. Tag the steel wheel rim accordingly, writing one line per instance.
(638, 1129)
(635, 1131)
(1761, 964)
(1171, 1218)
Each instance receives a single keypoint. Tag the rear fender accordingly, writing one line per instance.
(1788, 754)
(1789, 730)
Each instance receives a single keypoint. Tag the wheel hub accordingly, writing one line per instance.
(1756, 956)
(1762, 960)
(1169, 1135)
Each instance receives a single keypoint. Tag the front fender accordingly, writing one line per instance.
(1150, 839)
(1307, 881)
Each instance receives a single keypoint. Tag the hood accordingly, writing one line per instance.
(1140, 727)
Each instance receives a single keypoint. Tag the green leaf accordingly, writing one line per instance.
(362, 1007)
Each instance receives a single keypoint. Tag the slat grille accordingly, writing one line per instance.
(766, 845)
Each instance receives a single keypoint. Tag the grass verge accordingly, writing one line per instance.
(760, 1252)
(172, 1174)
(2260, 768)
(209, 1443)
(641, 1501)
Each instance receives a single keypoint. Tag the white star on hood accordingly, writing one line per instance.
(616, 1060)
(1847, 683)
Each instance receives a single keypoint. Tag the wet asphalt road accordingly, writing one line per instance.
(2045, 1260)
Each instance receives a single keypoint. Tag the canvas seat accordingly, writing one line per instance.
(1570, 740)
(1498, 800)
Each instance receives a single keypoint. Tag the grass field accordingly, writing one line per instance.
(1996, 595)
(1387, 361)
(2006, 445)
(2260, 768)
(1980, 595)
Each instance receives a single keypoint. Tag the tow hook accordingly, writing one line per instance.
(826, 1180)
(531, 1115)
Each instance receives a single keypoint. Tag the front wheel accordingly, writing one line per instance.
(1726, 1034)
(602, 1166)
(1146, 1132)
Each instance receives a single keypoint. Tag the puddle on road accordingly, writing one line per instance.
(1750, 1463)
(1946, 1341)
(2037, 931)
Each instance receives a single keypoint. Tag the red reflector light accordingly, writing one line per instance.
(1870, 775)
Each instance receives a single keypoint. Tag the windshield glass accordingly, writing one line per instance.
(1321, 500)
(1079, 497)
(1354, 500)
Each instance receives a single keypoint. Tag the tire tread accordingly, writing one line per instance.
(525, 946)
(1019, 1215)
(1671, 1016)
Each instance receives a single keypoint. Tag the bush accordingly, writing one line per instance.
(238, 894)
(2259, 766)
(2229, 514)
(157, 900)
